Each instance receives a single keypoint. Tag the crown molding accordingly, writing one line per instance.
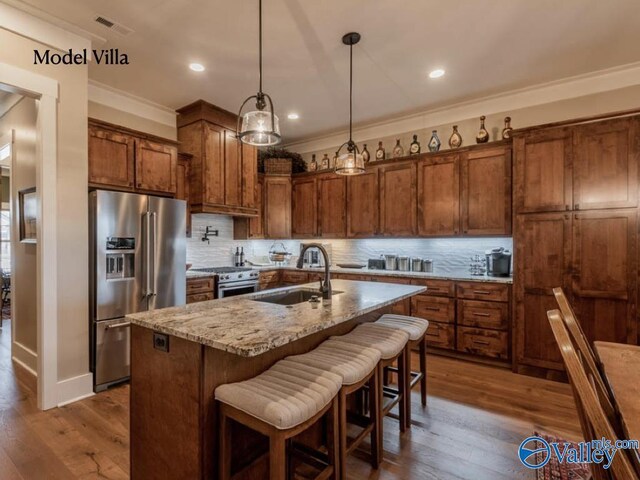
(126, 102)
(564, 89)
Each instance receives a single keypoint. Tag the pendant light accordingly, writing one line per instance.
(350, 162)
(260, 126)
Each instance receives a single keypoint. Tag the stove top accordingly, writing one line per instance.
(232, 274)
(222, 269)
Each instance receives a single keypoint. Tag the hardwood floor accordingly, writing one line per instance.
(475, 420)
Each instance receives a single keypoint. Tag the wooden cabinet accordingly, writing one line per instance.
(294, 277)
(331, 207)
(111, 158)
(440, 288)
(223, 171)
(182, 184)
(606, 164)
(439, 196)
(543, 178)
(483, 342)
(277, 206)
(493, 292)
(480, 314)
(156, 165)
(245, 228)
(304, 207)
(397, 186)
(269, 279)
(200, 289)
(434, 309)
(486, 191)
(362, 205)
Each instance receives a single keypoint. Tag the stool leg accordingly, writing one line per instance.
(342, 444)
(333, 438)
(224, 448)
(277, 457)
(423, 370)
(376, 417)
(376, 409)
(402, 389)
(407, 373)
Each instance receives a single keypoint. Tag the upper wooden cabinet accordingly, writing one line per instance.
(223, 172)
(304, 223)
(439, 196)
(363, 206)
(486, 191)
(277, 207)
(397, 184)
(245, 228)
(543, 171)
(182, 184)
(606, 165)
(127, 160)
(332, 196)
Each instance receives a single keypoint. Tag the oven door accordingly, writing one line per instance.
(237, 288)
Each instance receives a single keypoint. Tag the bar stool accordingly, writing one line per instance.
(417, 330)
(392, 345)
(357, 365)
(281, 403)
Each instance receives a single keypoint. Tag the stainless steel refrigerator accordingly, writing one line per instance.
(137, 263)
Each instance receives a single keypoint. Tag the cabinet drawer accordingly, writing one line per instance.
(439, 288)
(488, 343)
(351, 276)
(473, 313)
(434, 308)
(379, 278)
(293, 276)
(441, 335)
(316, 276)
(199, 285)
(494, 292)
(270, 277)
(199, 297)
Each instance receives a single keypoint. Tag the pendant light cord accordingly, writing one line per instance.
(350, 92)
(260, 43)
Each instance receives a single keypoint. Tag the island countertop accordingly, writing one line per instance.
(246, 327)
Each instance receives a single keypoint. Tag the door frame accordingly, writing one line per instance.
(45, 90)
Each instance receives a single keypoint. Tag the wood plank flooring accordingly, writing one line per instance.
(475, 420)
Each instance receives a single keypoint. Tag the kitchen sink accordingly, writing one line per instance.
(293, 297)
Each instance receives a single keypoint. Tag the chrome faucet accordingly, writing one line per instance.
(325, 287)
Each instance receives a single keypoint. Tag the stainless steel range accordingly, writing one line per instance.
(233, 281)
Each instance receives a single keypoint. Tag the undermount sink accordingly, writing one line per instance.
(293, 297)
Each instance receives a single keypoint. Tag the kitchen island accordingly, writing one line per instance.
(179, 356)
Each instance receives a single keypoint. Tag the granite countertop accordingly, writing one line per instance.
(460, 275)
(248, 328)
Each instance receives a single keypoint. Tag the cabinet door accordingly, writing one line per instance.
(398, 216)
(111, 158)
(249, 176)
(304, 205)
(277, 207)
(486, 192)
(605, 258)
(363, 205)
(213, 164)
(606, 165)
(156, 165)
(439, 196)
(542, 262)
(232, 170)
(256, 224)
(332, 196)
(543, 171)
(182, 186)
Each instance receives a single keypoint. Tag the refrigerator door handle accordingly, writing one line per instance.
(152, 255)
(146, 225)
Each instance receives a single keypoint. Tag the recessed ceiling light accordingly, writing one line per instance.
(196, 67)
(437, 73)
(293, 116)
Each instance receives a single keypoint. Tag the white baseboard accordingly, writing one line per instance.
(25, 357)
(75, 388)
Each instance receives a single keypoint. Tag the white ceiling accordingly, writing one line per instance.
(486, 47)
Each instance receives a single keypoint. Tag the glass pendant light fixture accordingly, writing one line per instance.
(350, 162)
(260, 126)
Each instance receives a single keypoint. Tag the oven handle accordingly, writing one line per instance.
(234, 286)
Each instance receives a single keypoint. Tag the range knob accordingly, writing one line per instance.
(226, 277)
(239, 275)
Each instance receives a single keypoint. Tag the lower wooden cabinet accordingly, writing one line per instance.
(484, 342)
(200, 297)
(200, 289)
(269, 279)
(494, 315)
(294, 277)
(434, 308)
(441, 335)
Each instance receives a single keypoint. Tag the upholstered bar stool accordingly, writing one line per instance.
(357, 365)
(281, 403)
(392, 345)
(417, 330)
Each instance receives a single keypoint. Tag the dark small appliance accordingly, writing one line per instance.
(498, 262)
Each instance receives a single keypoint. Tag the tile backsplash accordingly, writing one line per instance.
(448, 254)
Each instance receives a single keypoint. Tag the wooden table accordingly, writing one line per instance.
(621, 366)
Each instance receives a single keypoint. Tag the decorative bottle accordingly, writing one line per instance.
(313, 166)
(434, 142)
(380, 153)
(236, 257)
(242, 256)
(366, 156)
(414, 148)
(324, 163)
(483, 135)
(506, 131)
(455, 140)
(398, 151)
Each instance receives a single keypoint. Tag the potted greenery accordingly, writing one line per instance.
(280, 161)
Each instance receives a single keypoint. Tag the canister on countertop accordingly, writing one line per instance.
(416, 264)
(427, 265)
(390, 262)
(404, 264)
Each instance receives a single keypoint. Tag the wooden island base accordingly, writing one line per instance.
(173, 413)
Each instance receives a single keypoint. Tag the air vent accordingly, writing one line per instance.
(113, 25)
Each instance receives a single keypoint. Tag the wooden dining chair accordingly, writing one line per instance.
(593, 419)
(587, 355)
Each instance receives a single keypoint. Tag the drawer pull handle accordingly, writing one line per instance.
(478, 314)
(481, 342)
(433, 309)
(481, 292)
